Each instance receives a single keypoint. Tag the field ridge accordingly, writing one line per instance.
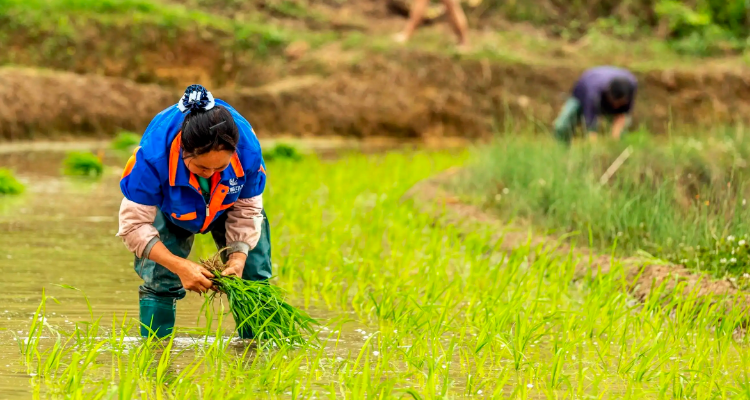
(644, 274)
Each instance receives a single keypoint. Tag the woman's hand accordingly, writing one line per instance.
(235, 265)
(194, 277)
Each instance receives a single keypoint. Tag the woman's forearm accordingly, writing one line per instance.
(162, 256)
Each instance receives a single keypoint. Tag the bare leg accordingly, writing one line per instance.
(418, 8)
(458, 21)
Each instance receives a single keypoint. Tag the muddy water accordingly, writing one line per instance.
(60, 233)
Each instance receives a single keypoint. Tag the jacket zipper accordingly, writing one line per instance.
(204, 199)
(208, 209)
(210, 197)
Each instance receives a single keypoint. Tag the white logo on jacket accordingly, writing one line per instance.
(234, 187)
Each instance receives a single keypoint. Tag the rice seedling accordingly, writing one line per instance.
(125, 141)
(8, 183)
(282, 151)
(410, 307)
(83, 164)
(259, 307)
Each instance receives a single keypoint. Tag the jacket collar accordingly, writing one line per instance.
(179, 175)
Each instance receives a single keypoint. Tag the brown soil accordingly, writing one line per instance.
(338, 89)
(430, 196)
(42, 103)
(403, 94)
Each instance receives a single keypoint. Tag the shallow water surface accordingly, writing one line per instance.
(428, 310)
(62, 231)
(60, 234)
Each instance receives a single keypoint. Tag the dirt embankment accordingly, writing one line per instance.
(43, 103)
(399, 93)
(126, 72)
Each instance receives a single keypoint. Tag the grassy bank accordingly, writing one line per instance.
(681, 198)
(137, 38)
(412, 310)
(257, 54)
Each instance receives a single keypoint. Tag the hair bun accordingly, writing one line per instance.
(196, 98)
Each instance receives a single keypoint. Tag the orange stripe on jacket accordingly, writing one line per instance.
(216, 205)
(237, 166)
(185, 217)
(194, 183)
(215, 179)
(174, 158)
(131, 163)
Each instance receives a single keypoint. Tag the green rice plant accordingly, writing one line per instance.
(669, 198)
(125, 141)
(411, 306)
(83, 164)
(260, 307)
(8, 183)
(282, 151)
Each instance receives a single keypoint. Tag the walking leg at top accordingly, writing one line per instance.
(456, 17)
(416, 13)
(458, 21)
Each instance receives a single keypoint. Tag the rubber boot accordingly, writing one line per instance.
(159, 314)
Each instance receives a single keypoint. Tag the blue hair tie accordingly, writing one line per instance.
(196, 98)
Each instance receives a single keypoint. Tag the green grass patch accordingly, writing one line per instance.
(125, 141)
(669, 195)
(83, 164)
(65, 32)
(8, 183)
(282, 151)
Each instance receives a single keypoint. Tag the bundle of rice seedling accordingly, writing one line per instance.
(260, 307)
(83, 164)
(125, 141)
(8, 183)
(282, 151)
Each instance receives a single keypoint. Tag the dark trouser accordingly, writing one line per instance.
(162, 288)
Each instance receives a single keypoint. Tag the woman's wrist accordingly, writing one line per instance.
(238, 256)
(176, 264)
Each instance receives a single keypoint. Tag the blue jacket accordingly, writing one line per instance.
(156, 175)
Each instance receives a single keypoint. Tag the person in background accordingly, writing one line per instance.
(606, 90)
(456, 17)
(198, 169)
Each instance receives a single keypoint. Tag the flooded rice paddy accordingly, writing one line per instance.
(411, 308)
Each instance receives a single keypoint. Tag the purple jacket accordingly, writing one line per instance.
(590, 89)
